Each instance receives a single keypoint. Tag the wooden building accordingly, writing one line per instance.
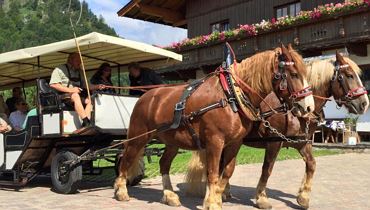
(348, 30)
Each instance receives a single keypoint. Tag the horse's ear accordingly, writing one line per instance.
(339, 57)
(290, 48)
(284, 50)
(285, 53)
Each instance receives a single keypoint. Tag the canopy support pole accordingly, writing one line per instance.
(38, 66)
(119, 78)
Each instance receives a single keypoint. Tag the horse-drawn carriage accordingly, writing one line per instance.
(180, 117)
(53, 137)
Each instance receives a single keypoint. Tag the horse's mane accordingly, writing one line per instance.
(320, 72)
(257, 70)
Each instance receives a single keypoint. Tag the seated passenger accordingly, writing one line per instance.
(3, 107)
(31, 113)
(4, 124)
(17, 117)
(102, 77)
(10, 102)
(67, 80)
(140, 76)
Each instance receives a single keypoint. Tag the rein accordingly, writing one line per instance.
(144, 86)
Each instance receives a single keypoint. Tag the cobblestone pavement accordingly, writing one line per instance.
(341, 182)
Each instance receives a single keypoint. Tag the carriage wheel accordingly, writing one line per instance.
(132, 180)
(65, 180)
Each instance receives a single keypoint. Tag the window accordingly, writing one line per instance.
(288, 9)
(220, 26)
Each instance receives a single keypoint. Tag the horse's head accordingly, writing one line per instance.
(290, 83)
(346, 86)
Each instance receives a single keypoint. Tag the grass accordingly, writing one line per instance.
(246, 155)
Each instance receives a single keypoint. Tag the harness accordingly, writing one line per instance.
(185, 120)
(285, 85)
(235, 97)
(350, 94)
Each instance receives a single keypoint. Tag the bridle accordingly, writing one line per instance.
(281, 76)
(350, 94)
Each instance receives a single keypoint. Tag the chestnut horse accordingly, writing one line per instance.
(337, 77)
(155, 108)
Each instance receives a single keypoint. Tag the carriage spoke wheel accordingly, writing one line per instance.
(65, 180)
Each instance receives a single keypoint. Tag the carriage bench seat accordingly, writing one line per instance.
(13, 143)
(50, 100)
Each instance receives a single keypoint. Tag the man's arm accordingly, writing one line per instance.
(59, 87)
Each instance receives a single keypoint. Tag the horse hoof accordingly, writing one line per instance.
(121, 196)
(263, 203)
(214, 207)
(303, 201)
(170, 198)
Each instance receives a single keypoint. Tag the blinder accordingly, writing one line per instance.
(349, 94)
(285, 85)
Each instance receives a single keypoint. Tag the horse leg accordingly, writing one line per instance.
(169, 197)
(228, 163)
(271, 152)
(131, 155)
(303, 198)
(212, 199)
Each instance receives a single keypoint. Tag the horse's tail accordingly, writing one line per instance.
(196, 174)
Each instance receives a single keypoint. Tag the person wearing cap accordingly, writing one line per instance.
(140, 76)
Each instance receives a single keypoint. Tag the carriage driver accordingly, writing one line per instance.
(67, 80)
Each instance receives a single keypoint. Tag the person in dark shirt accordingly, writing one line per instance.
(140, 76)
(10, 102)
(103, 77)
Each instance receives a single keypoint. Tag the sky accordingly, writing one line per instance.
(132, 29)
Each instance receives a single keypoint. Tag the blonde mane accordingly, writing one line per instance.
(320, 72)
(258, 69)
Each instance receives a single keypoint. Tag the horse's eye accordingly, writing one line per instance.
(349, 76)
(294, 75)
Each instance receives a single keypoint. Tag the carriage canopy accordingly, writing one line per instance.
(28, 64)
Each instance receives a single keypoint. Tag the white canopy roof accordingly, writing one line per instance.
(31, 63)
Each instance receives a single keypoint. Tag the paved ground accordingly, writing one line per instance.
(341, 182)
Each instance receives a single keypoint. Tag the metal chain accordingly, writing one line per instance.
(285, 138)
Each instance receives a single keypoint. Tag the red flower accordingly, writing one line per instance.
(273, 21)
(222, 36)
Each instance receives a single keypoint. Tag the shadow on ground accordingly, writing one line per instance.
(240, 195)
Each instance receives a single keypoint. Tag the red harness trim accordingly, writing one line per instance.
(356, 92)
(223, 81)
(302, 93)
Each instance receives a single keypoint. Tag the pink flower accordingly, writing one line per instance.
(273, 21)
(222, 36)
(339, 5)
(315, 14)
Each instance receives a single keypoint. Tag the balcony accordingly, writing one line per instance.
(347, 28)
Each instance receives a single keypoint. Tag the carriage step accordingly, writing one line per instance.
(86, 131)
(15, 184)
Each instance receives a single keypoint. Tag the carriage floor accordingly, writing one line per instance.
(341, 182)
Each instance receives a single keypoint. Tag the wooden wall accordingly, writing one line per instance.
(202, 13)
